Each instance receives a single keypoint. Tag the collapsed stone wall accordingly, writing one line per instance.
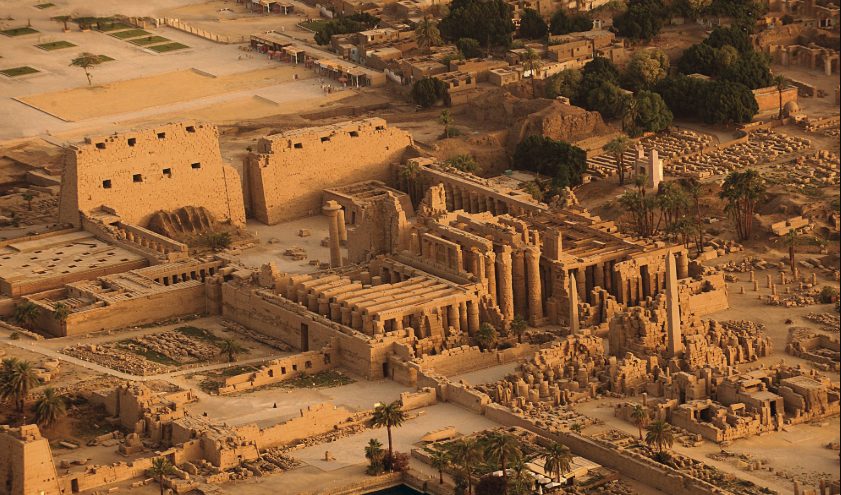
(139, 173)
(280, 187)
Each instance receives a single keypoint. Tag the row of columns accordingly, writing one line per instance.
(519, 285)
(473, 201)
(145, 241)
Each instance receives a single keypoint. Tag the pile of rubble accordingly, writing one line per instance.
(819, 169)
(816, 347)
(296, 253)
(808, 297)
(833, 322)
(762, 146)
(272, 462)
(676, 144)
(259, 337)
(115, 358)
(177, 346)
(713, 248)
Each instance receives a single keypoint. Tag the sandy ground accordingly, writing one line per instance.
(131, 95)
(287, 235)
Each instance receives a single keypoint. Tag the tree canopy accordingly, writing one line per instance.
(682, 93)
(654, 114)
(469, 47)
(606, 99)
(427, 91)
(564, 83)
(724, 102)
(532, 25)
(642, 20)
(733, 36)
(346, 25)
(560, 160)
(647, 68)
(483, 20)
(561, 23)
(753, 71)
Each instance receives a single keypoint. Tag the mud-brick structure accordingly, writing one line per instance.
(287, 173)
(137, 174)
(26, 462)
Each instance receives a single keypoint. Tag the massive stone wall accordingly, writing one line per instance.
(286, 176)
(26, 463)
(140, 173)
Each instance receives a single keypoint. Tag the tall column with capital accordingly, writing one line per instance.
(534, 289)
(519, 274)
(331, 209)
(506, 284)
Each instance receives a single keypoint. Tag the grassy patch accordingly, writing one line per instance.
(314, 26)
(44, 5)
(322, 379)
(169, 47)
(199, 334)
(105, 58)
(18, 71)
(131, 33)
(55, 45)
(107, 27)
(149, 40)
(149, 354)
(216, 378)
(19, 31)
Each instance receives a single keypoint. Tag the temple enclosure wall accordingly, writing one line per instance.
(137, 174)
(286, 176)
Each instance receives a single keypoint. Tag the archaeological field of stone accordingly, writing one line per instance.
(406, 247)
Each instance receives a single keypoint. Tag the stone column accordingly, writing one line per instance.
(331, 209)
(519, 271)
(472, 317)
(506, 284)
(340, 218)
(675, 340)
(453, 317)
(598, 275)
(581, 282)
(534, 289)
(462, 316)
(490, 273)
(457, 199)
(683, 265)
(573, 304)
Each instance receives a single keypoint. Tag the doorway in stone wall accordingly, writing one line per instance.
(305, 337)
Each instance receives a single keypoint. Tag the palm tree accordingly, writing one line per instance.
(87, 61)
(780, 82)
(557, 459)
(533, 188)
(231, 349)
(467, 452)
(61, 312)
(522, 480)
(440, 460)
(28, 197)
(501, 448)
(26, 314)
(160, 468)
(446, 119)
(49, 408)
(518, 326)
(411, 176)
(485, 336)
(531, 63)
(389, 415)
(427, 34)
(695, 193)
(640, 417)
(18, 382)
(659, 435)
(576, 427)
(374, 451)
(617, 147)
(630, 115)
(742, 190)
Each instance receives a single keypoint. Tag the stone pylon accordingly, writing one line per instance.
(573, 305)
(331, 209)
(674, 337)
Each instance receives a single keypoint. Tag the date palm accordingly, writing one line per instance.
(617, 147)
(640, 417)
(230, 348)
(446, 120)
(374, 451)
(522, 480)
(503, 448)
(427, 34)
(532, 63)
(467, 452)
(61, 312)
(519, 324)
(26, 314)
(18, 382)
(440, 460)
(391, 416)
(557, 459)
(780, 82)
(659, 435)
(49, 408)
(161, 467)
